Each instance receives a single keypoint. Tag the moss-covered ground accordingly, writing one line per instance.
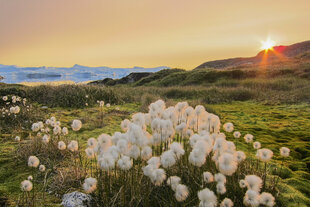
(274, 126)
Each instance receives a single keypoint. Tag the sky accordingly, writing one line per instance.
(148, 33)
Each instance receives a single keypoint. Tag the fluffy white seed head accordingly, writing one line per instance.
(61, 145)
(228, 127)
(76, 125)
(173, 182)
(154, 161)
(248, 138)
(242, 183)
(251, 198)
(253, 182)
(181, 192)
(227, 203)
(167, 159)
(267, 199)
(42, 168)
(124, 163)
(92, 142)
(26, 185)
(237, 134)
(240, 156)
(158, 176)
(73, 146)
(146, 153)
(90, 185)
(33, 161)
(46, 138)
(207, 198)
(264, 154)
(208, 177)
(90, 153)
(227, 164)
(220, 188)
(284, 151)
(17, 138)
(257, 145)
(106, 162)
(220, 178)
(65, 131)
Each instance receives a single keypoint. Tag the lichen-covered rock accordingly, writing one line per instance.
(76, 199)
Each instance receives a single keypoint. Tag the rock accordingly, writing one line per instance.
(76, 199)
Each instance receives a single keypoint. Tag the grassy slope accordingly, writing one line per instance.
(273, 126)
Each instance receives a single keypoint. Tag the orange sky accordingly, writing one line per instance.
(126, 33)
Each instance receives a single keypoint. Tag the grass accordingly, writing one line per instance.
(273, 126)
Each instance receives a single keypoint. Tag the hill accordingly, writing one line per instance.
(278, 53)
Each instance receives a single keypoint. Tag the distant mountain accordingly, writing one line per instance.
(77, 73)
(278, 53)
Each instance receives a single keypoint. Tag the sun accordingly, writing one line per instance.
(268, 44)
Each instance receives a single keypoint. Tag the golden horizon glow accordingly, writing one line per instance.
(147, 33)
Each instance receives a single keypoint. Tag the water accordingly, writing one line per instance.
(77, 73)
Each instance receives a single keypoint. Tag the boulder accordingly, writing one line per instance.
(76, 199)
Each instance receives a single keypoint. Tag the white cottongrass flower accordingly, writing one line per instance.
(61, 145)
(33, 161)
(284, 151)
(90, 153)
(220, 188)
(167, 159)
(90, 185)
(240, 156)
(267, 199)
(123, 146)
(46, 138)
(73, 146)
(208, 177)
(228, 127)
(197, 158)
(227, 203)
(248, 138)
(57, 130)
(30, 177)
(264, 154)
(257, 145)
(253, 182)
(134, 152)
(251, 198)
(181, 192)
(65, 131)
(42, 168)
(242, 183)
(124, 163)
(26, 185)
(173, 182)
(106, 162)
(207, 198)
(227, 164)
(158, 176)
(154, 161)
(76, 125)
(92, 142)
(146, 153)
(148, 169)
(17, 138)
(177, 149)
(220, 178)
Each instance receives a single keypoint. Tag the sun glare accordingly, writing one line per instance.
(268, 44)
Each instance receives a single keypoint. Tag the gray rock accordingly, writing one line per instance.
(76, 199)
